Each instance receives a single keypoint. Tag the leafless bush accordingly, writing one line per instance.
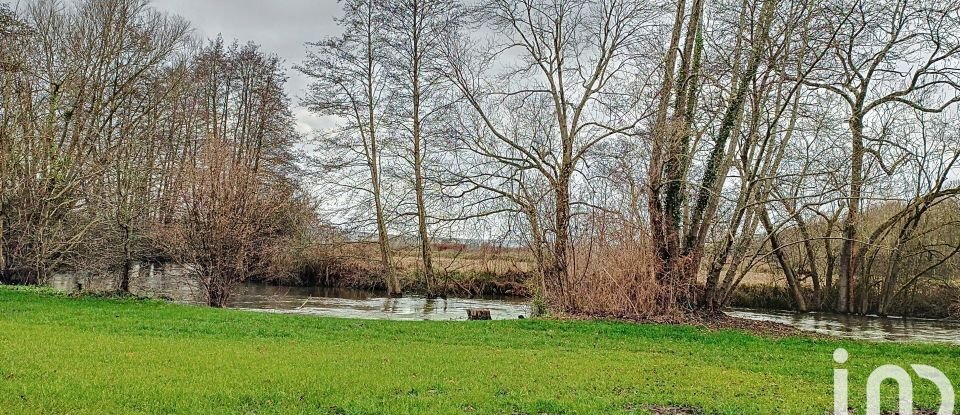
(232, 224)
(614, 274)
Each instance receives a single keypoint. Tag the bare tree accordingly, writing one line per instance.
(572, 61)
(678, 238)
(889, 53)
(349, 83)
(421, 96)
(237, 204)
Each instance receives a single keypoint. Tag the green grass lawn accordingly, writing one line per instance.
(97, 356)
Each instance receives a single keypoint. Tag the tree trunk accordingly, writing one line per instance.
(433, 288)
(217, 296)
(664, 231)
(809, 252)
(389, 274)
(373, 162)
(848, 265)
(217, 290)
(127, 265)
(831, 257)
(792, 283)
(561, 244)
(890, 282)
(125, 277)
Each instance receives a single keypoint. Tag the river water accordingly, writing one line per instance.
(315, 301)
(352, 303)
(895, 329)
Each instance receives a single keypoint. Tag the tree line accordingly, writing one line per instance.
(702, 140)
(649, 156)
(124, 140)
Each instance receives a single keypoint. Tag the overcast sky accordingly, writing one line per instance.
(279, 26)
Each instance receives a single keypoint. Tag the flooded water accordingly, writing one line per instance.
(315, 301)
(874, 328)
(350, 303)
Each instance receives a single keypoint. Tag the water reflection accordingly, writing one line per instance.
(318, 301)
(351, 303)
(861, 327)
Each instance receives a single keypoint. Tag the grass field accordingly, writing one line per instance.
(101, 356)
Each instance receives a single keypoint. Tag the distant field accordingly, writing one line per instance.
(463, 264)
(450, 258)
(98, 356)
(759, 277)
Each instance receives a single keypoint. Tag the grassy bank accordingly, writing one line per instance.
(68, 355)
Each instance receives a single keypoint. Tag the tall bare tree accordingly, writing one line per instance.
(572, 58)
(889, 53)
(678, 241)
(350, 84)
(416, 36)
